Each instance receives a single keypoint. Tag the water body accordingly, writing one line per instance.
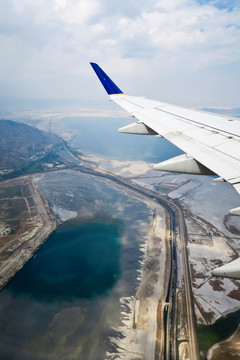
(67, 301)
(99, 136)
(219, 331)
(79, 261)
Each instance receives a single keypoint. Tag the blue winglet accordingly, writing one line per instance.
(108, 84)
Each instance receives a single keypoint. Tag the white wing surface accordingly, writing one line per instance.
(211, 142)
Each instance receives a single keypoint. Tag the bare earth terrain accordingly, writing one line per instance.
(26, 221)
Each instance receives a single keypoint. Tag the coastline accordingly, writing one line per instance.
(142, 322)
(231, 344)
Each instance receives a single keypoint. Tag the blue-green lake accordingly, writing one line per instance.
(78, 261)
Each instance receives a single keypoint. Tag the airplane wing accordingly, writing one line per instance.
(211, 142)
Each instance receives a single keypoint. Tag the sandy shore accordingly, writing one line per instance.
(144, 323)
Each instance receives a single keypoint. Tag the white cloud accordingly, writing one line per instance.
(48, 41)
(60, 4)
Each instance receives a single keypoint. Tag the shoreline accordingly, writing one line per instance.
(142, 323)
(231, 342)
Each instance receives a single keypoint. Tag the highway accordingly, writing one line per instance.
(191, 321)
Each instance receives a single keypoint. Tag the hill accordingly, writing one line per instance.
(21, 143)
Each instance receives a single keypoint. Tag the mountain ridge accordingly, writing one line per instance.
(21, 143)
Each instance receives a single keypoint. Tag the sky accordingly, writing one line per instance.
(185, 52)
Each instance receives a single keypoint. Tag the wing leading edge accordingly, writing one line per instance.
(211, 143)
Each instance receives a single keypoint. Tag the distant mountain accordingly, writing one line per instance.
(20, 144)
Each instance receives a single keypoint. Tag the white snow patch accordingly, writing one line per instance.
(212, 293)
(120, 343)
(63, 214)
